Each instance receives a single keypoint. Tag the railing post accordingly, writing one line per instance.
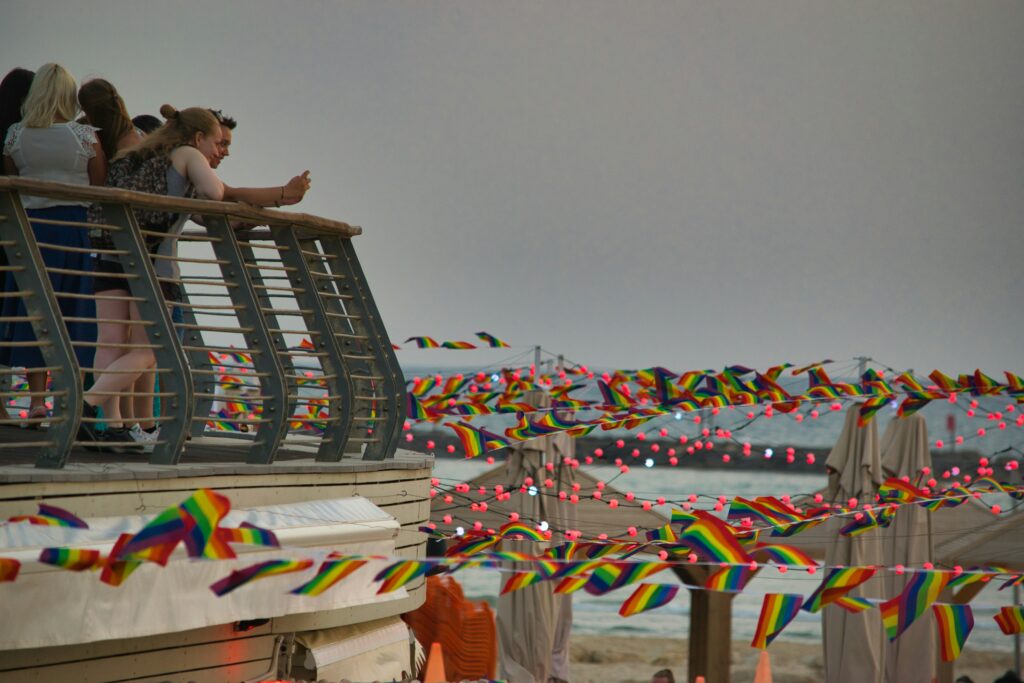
(168, 354)
(42, 306)
(339, 387)
(197, 359)
(378, 355)
(269, 434)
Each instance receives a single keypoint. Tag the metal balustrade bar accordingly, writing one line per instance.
(342, 397)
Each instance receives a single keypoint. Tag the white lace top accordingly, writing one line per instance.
(59, 153)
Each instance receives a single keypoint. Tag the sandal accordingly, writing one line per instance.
(37, 413)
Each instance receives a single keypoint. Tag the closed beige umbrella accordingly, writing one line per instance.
(911, 658)
(534, 624)
(854, 645)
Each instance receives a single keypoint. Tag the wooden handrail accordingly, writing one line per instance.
(245, 212)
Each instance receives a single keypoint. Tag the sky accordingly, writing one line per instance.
(686, 184)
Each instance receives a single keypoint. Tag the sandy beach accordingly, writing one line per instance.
(616, 659)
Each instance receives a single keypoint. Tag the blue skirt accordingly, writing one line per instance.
(30, 356)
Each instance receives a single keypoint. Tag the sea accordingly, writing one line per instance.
(599, 614)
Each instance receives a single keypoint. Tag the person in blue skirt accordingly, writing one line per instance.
(48, 144)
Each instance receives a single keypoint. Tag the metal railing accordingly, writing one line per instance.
(283, 311)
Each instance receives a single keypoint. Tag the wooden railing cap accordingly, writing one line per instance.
(244, 212)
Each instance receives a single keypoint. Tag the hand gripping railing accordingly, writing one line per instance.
(282, 347)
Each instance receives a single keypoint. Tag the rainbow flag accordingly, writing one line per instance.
(73, 559)
(9, 568)
(714, 541)
(260, 570)
(518, 529)
(423, 342)
(329, 574)
(520, 580)
(869, 408)
(492, 341)
(1010, 619)
(248, 534)
(459, 345)
(116, 571)
(202, 512)
(730, 579)
(51, 515)
(854, 605)
(954, 624)
(400, 573)
(571, 584)
(471, 545)
(777, 610)
(783, 555)
(665, 534)
(471, 440)
(898, 491)
(921, 591)
(648, 596)
(837, 583)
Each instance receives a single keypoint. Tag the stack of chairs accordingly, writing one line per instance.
(465, 629)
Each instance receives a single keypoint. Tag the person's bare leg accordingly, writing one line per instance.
(106, 356)
(143, 401)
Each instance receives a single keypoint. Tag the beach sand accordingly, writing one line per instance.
(615, 659)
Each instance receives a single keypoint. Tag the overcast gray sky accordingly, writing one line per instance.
(687, 184)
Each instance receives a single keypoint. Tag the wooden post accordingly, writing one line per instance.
(710, 635)
(710, 628)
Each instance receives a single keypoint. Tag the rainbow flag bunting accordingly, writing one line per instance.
(520, 580)
(9, 568)
(730, 579)
(261, 570)
(954, 624)
(400, 573)
(714, 541)
(836, 584)
(73, 559)
(777, 610)
(472, 441)
(1010, 619)
(330, 573)
(51, 515)
(648, 596)
(491, 340)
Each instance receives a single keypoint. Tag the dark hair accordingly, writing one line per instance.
(666, 674)
(13, 90)
(223, 120)
(105, 110)
(147, 123)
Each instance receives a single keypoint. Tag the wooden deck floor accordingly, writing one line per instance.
(222, 454)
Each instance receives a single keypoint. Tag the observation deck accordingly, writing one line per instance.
(279, 388)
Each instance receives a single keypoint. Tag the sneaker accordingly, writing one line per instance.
(119, 440)
(146, 438)
(87, 430)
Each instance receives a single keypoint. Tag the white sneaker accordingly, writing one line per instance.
(146, 439)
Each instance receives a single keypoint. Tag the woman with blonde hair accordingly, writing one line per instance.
(174, 160)
(48, 144)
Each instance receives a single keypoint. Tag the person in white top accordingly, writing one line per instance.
(49, 145)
